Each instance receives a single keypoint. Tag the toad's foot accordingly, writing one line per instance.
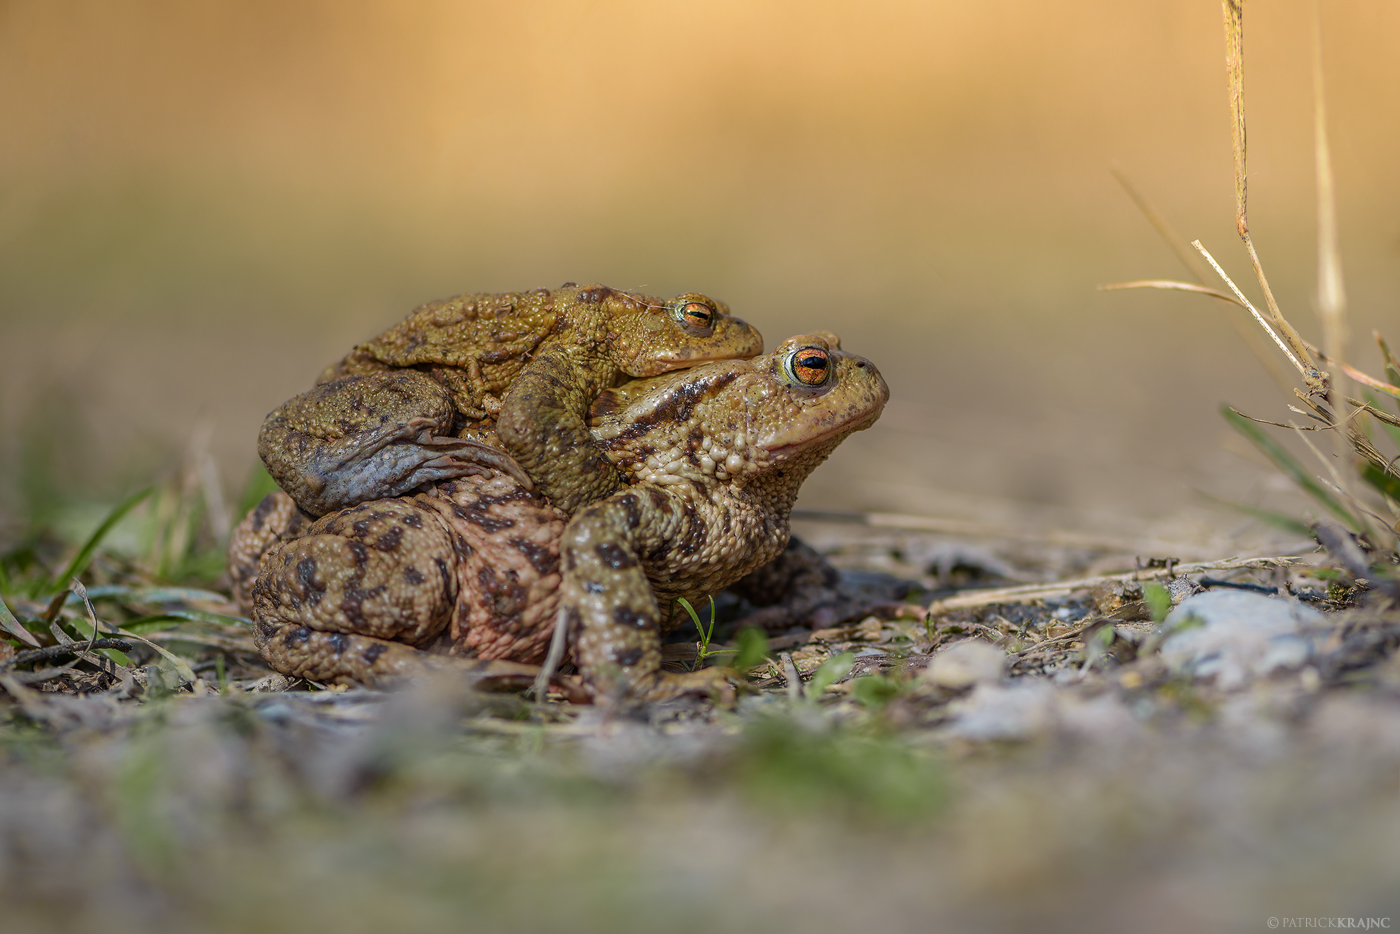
(391, 461)
(711, 683)
(375, 436)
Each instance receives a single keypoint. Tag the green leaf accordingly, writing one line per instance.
(752, 648)
(830, 671)
(1290, 467)
(874, 691)
(80, 561)
(155, 594)
(84, 628)
(1158, 600)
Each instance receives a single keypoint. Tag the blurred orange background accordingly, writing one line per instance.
(202, 204)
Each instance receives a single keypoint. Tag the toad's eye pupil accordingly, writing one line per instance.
(696, 314)
(810, 366)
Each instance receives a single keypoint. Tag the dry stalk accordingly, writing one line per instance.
(1234, 69)
(1331, 296)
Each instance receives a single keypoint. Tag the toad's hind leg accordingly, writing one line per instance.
(381, 571)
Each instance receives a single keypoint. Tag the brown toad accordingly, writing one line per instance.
(480, 567)
(409, 407)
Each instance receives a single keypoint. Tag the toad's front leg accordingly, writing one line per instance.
(611, 610)
(543, 424)
(369, 437)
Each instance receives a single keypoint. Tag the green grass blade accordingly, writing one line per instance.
(1290, 467)
(1276, 519)
(80, 561)
(1383, 481)
(15, 627)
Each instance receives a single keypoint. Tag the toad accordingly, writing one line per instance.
(478, 569)
(415, 405)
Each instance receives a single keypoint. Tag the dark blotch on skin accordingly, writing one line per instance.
(626, 616)
(372, 653)
(390, 540)
(543, 560)
(478, 516)
(306, 576)
(594, 295)
(339, 642)
(615, 556)
(413, 520)
(297, 636)
(413, 575)
(694, 535)
(502, 593)
(269, 503)
(631, 509)
(629, 658)
(678, 406)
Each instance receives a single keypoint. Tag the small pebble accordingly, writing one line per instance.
(964, 664)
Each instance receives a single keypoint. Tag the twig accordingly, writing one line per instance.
(971, 528)
(791, 675)
(58, 651)
(551, 660)
(1027, 592)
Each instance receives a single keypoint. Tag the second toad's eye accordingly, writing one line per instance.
(810, 366)
(697, 316)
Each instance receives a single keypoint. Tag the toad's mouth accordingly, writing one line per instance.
(812, 439)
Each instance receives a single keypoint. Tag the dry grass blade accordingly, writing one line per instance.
(1171, 285)
(1304, 371)
(1159, 223)
(1199, 272)
(14, 627)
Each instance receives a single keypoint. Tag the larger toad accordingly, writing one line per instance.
(480, 567)
(407, 408)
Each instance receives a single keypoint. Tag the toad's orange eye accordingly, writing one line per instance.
(696, 315)
(810, 366)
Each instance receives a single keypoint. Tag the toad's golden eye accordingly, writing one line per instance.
(810, 366)
(697, 316)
